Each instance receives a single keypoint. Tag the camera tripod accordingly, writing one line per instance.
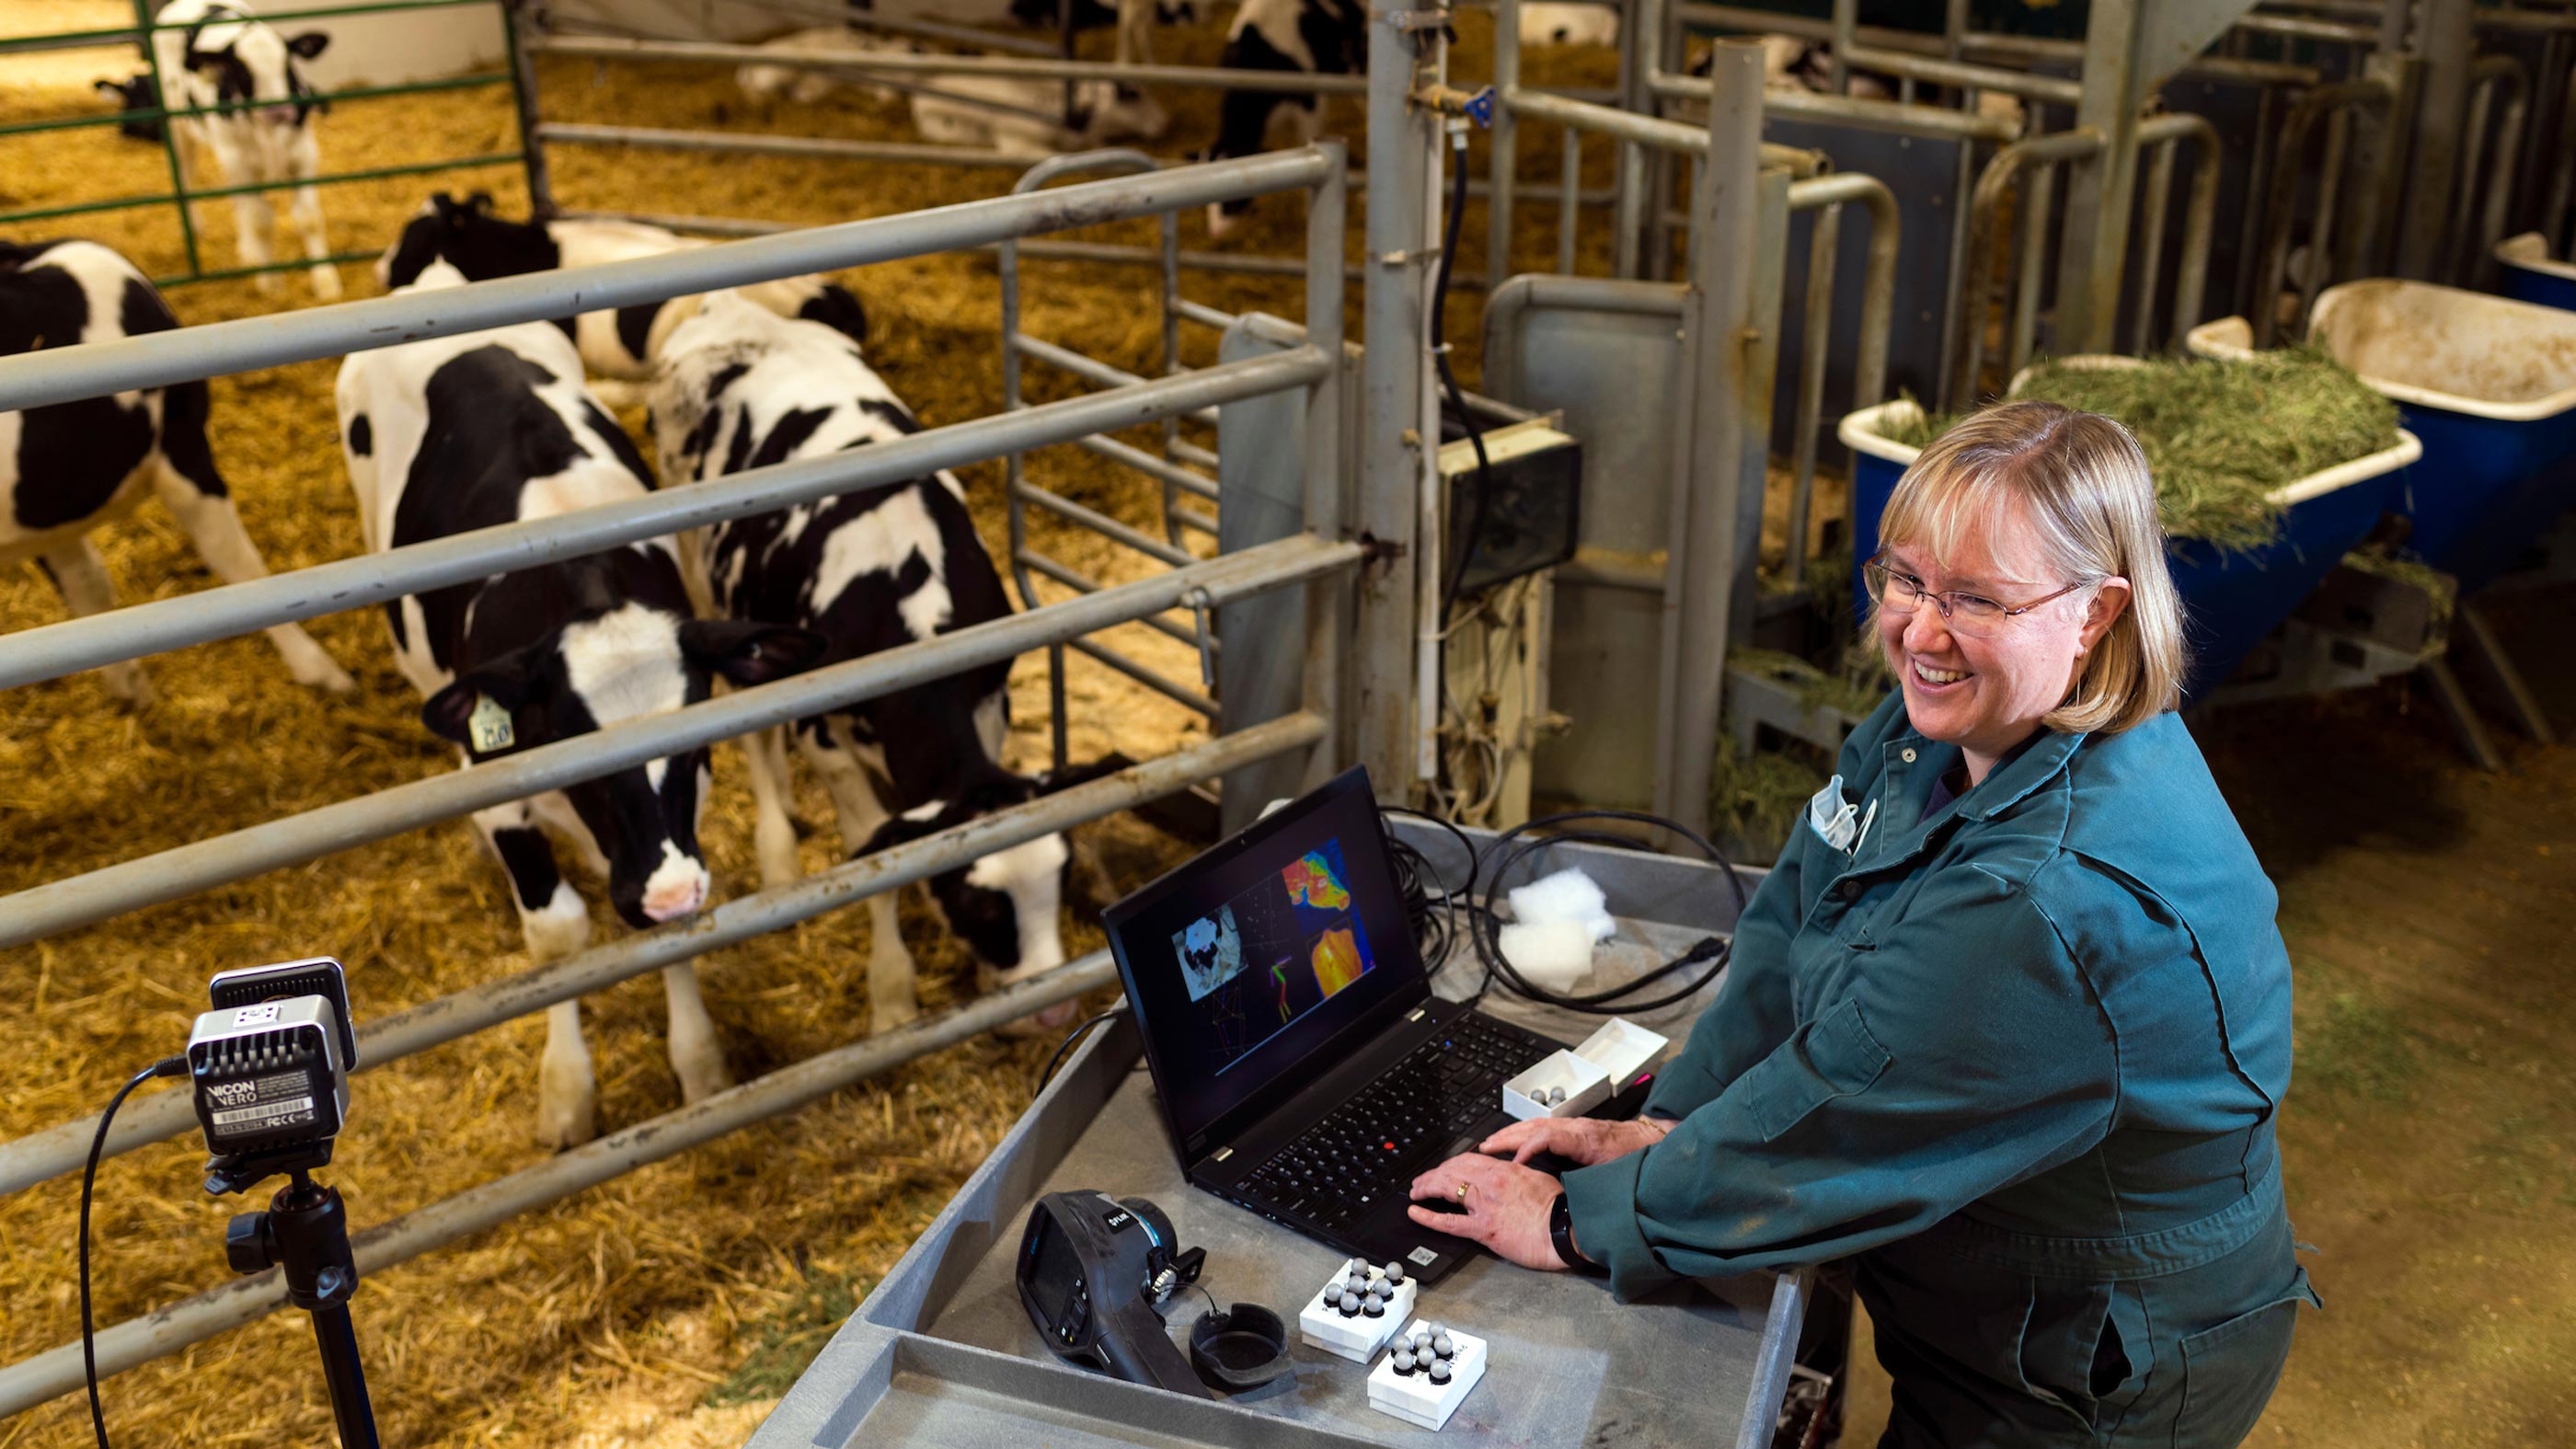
(306, 1232)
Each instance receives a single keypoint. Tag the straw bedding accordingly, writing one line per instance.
(668, 1306)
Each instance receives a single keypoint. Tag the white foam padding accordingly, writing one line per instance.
(1568, 895)
(1553, 955)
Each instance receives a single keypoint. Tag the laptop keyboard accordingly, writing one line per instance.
(1373, 1144)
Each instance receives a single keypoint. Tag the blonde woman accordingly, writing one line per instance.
(2008, 1026)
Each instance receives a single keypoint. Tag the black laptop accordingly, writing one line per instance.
(1305, 1069)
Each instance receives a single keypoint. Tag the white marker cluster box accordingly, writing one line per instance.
(1588, 1074)
(1413, 1397)
(1356, 1337)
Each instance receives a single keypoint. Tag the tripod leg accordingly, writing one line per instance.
(339, 1343)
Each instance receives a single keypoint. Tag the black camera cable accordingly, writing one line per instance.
(166, 1067)
(1484, 925)
(1038, 1083)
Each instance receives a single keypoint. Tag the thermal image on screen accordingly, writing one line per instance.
(1272, 954)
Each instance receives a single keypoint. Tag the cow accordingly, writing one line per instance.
(134, 93)
(740, 387)
(619, 344)
(762, 81)
(1544, 24)
(220, 54)
(69, 468)
(490, 428)
(1030, 117)
(1317, 37)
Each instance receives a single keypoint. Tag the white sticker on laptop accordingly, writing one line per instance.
(1423, 1257)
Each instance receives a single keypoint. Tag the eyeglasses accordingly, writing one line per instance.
(1901, 593)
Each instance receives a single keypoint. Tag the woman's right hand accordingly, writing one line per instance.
(1587, 1141)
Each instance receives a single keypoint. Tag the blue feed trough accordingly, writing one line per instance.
(2488, 384)
(2525, 273)
(2230, 600)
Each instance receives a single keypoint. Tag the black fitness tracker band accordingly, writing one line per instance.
(1560, 1231)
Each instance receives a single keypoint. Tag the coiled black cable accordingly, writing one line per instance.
(166, 1067)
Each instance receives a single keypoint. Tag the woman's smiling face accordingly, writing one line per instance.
(1988, 692)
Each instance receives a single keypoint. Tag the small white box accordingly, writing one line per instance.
(1414, 1398)
(1589, 1073)
(1354, 1338)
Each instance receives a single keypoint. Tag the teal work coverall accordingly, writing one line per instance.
(2019, 1061)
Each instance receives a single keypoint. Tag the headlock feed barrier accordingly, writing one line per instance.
(1320, 559)
(184, 197)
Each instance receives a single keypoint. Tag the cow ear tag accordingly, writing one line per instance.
(489, 726)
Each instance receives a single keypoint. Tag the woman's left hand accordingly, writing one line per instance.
(1506, 1207)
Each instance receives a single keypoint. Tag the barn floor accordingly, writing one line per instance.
(2429, 1149)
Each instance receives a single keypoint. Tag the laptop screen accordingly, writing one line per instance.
(1251, 958)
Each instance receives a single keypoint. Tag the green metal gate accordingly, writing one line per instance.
(179, 194)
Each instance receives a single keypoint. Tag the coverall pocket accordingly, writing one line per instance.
(2228, 1372)
(1832, 1056)
(2084, 1346)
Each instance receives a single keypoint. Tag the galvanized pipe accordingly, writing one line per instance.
(173, 1327)
(1102, 524)
(2000, 175)
(1145, 675)
(1894, 117)
(130, 633)
(892, 25)
(518, 22)
(2286, 176)
(44, 910)
(95, 369)
(44, 1155)
(1824, 249)
(2199, 214)
(752, 143)
(1878, 285)
(1568, 214)
(2492, 73)
(704, 52)
(1502, 142)
(1082, 583)
(2151, 243)
(1092, 369)
(2038, 197)
(1169, 474)
(1967, 75)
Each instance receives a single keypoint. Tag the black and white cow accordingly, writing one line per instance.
(448, 436)
(741, 388)
(221, 54)
(67, 469)
(1316, 37)
(134, 93)
(619, 344)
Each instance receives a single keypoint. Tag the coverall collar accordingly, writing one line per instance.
(2011, 781)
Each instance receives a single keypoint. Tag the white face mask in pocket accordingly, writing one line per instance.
(1832, 817)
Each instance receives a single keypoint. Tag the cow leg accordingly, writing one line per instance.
(891, 998)
(695, 1056)
(764, 754)
(556, 923)
(308, 218)
(1135, 32)
(80, 576)
(253, 217)
(195, 494)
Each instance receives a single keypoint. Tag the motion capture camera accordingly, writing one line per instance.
(270, 1066)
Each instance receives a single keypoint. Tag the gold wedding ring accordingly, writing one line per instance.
(1462, 1192)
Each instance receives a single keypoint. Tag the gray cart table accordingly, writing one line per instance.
(943, 1354)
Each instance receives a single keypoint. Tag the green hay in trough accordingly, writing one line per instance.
(2221, 436)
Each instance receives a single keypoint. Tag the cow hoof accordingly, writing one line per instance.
(129, 686)
(326, 283)
(571, 1127)
(702, 1075)
(324, 675)
(1050, 1022)
(884, 1016)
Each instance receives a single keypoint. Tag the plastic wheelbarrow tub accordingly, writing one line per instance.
(2488, 384)
(2231, 600)
(2525, 273)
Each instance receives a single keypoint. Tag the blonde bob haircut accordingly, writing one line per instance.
(2083, 483)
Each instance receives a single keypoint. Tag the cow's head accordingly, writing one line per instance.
(1006, 906)
(134, 93)
(621, 664)
(245, 61)
(465, 233)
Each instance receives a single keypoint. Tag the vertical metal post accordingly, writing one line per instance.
(516, 17)
(1709, 564)
(2039, 198)
(1502, 144)
(2442, 43)
(1394, 325)
(2151, 245)
(1328, 504)
(2102, 188)
(1846, 35)
(1815, 339)
(1171, 295)
(1634, 201)
(170, 140)
(1569, 211)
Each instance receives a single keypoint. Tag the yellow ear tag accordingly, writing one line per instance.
(489, 726)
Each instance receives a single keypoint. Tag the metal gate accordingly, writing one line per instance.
(1318, 559)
